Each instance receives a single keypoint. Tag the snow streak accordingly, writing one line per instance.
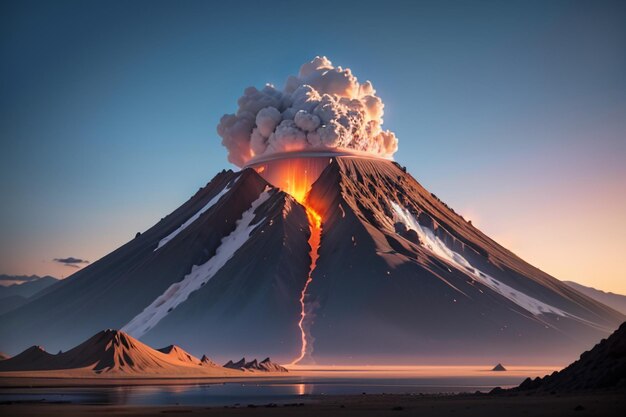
(178, 292)
(439, 248)
(196, 216)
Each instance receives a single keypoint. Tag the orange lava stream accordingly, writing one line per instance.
(295, 176)
(315, 225)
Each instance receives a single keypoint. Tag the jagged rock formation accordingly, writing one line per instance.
(266, 365)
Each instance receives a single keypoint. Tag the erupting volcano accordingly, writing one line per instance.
(320, 248)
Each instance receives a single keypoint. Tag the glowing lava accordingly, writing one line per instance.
(315, 225)
(295, 176)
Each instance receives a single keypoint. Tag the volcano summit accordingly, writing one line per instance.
(319, 249)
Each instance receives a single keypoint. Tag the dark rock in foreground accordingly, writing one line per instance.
(601, 368)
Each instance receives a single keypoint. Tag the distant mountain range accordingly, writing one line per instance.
(7, 280)
(23, 289)
(615, 301)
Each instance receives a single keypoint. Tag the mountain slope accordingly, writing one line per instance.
(615, 301)
(253, 294)
(400, 278)
(395, 263)
(16, 295)
(11, 302)
(28, 288)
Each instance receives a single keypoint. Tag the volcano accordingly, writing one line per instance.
(319, 258)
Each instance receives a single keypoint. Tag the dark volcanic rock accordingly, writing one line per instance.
(603, 367)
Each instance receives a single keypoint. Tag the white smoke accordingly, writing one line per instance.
(323, 107)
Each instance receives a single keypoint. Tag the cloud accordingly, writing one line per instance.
(323, 107)
(71, 261)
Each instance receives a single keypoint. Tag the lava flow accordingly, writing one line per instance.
(295, 176)
(315, 225)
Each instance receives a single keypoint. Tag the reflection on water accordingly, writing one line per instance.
(296, 388)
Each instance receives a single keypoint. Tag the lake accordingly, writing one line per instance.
(297, 386)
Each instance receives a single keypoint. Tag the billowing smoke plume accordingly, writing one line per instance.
(324, 107)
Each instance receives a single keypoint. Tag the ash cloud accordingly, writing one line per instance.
(323, 108)
(71, 261)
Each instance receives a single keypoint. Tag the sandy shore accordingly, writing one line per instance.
(589, 404)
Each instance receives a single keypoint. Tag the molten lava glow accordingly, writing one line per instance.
(299, 182)
(295, 176)
(315, 225)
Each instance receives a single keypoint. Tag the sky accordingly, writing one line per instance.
(513, 113)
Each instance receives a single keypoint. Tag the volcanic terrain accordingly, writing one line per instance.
(365, 267)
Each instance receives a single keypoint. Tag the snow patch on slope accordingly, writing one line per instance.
(178, 292)
(196, 216)
(439, 248)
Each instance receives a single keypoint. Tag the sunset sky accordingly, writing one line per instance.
(513, 113)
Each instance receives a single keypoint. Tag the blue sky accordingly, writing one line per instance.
(514, 113)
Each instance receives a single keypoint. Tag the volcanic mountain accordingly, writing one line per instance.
(369, 267)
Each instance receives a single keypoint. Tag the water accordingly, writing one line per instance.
(282, 390)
